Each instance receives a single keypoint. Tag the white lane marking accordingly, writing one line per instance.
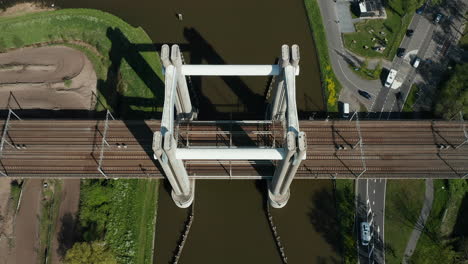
(375, 180)
(374, 191)
(373, 202)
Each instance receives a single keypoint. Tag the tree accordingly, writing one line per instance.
(453, 95)
(434, 253)
(90, 253)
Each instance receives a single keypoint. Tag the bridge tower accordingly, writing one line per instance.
(283, 108)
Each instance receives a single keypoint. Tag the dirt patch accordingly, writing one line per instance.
(6, 220)
(24, 8)
(52, 77)
(26, 225)
(65, 229)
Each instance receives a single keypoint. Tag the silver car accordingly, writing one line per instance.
(365, 233)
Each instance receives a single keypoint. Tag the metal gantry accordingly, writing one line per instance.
(361, 148)
(104, 142)
(465, 133)
(5, 134)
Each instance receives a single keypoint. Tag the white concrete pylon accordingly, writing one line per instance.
(185, 199)
(278, 200)
(279, 101)
(183, 96)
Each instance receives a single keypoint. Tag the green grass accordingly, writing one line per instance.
(464, 39)
(346, 215)
(122, 213)
(47, 222)
(131, 82)
(330, 84)
(366, 73)
(411, 99)
(394, 27)
(67, 83)
(403, 203)
(15, 192)
(448, 195)
(457, 190)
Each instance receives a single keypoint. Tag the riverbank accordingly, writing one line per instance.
(331, 85)
(112, 46)
(118, 60)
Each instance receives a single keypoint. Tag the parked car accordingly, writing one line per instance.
(437, 18)
(401, 52)
(409, 32)
(416, 62)
(365, 233)
(420, 10)
(345, 110)
(364, 94)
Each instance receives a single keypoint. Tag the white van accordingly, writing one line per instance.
(345, 110)
(390, 78)
(416, 62)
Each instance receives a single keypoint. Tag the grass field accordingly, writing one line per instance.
(129, 78)
(330, 84)
(47, 222)
(411, 99)
(346, 215)
(393, 28)
(369, 74)
(131, 222)
(448, 195)
(403, 203)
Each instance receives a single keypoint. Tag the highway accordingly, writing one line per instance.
(388, 149)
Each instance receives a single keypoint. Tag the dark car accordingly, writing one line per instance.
(401, 52)
(420, 10)
(437, 18)
(364, 94)
(409, 32)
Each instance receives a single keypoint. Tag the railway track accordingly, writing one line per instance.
(390, 149)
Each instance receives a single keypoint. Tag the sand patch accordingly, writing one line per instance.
(24, 8)
(52, 77)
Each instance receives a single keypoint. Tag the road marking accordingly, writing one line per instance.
(374, 191)
(375, 180)
(373, 202)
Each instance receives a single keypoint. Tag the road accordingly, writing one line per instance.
(339, 56)
(371, 209)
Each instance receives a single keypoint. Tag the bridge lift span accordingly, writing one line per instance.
(177, 105)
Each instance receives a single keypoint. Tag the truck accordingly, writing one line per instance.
(390, 78)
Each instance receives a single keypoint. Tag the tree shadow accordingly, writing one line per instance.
(324, 218)
(67, 235)
(461, 228)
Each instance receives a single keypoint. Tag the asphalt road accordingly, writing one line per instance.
(387, 104)
(371, 209)
(340, 58)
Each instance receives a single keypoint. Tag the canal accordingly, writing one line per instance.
(227, 32)
(230, 224)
